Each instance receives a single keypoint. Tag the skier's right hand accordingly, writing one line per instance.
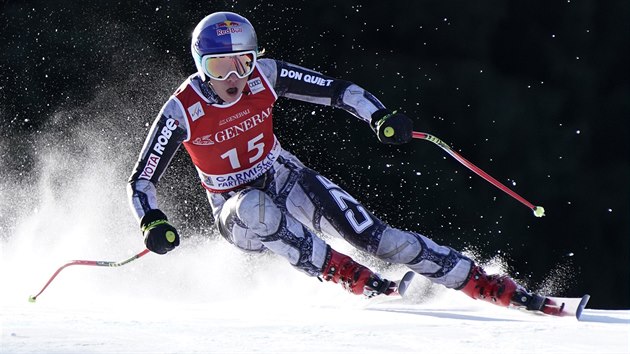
(159, 236)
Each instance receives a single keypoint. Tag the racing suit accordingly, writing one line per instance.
(262, 196)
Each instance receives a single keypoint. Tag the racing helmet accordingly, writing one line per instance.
(222, 33)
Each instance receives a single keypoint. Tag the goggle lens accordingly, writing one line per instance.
(220, 67)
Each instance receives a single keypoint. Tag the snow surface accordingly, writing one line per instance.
(210, 298)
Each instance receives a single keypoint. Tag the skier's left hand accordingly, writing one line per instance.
(392, 127)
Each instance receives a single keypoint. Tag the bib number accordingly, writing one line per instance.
(252, 145)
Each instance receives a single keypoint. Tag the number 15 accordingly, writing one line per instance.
(252, 145)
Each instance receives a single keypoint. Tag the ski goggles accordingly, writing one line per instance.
(220, 66)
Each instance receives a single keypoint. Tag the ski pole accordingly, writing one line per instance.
(88, 263)
(539, 211)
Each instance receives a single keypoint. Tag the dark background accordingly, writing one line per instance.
(535, 93)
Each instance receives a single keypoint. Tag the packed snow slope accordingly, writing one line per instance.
(210, 298)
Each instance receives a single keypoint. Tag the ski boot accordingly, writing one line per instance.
(354, 277)
(500, 290)
(503, 291)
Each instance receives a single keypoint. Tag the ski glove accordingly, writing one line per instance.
(159, 236)
(391, 127)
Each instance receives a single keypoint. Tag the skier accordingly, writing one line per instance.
(262, 196)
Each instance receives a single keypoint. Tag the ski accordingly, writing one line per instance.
(551, 305)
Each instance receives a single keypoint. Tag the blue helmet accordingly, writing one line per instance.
(219, 33)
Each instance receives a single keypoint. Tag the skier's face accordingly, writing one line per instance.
(230, 89)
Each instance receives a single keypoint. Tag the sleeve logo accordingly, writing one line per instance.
(149, 168)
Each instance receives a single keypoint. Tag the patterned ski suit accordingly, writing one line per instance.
(262, 196)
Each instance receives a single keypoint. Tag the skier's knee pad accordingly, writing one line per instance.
(234, 231)
(247, 216)
(258, 212)
(255, 219)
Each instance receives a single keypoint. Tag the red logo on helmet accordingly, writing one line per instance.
(227, 24)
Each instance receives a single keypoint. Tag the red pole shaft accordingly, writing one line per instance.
(88, 263)
(472, 167)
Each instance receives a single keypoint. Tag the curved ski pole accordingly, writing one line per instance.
(88, 263)
(538, 210)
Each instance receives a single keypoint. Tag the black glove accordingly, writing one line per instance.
(159, 236)
(391, 127)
